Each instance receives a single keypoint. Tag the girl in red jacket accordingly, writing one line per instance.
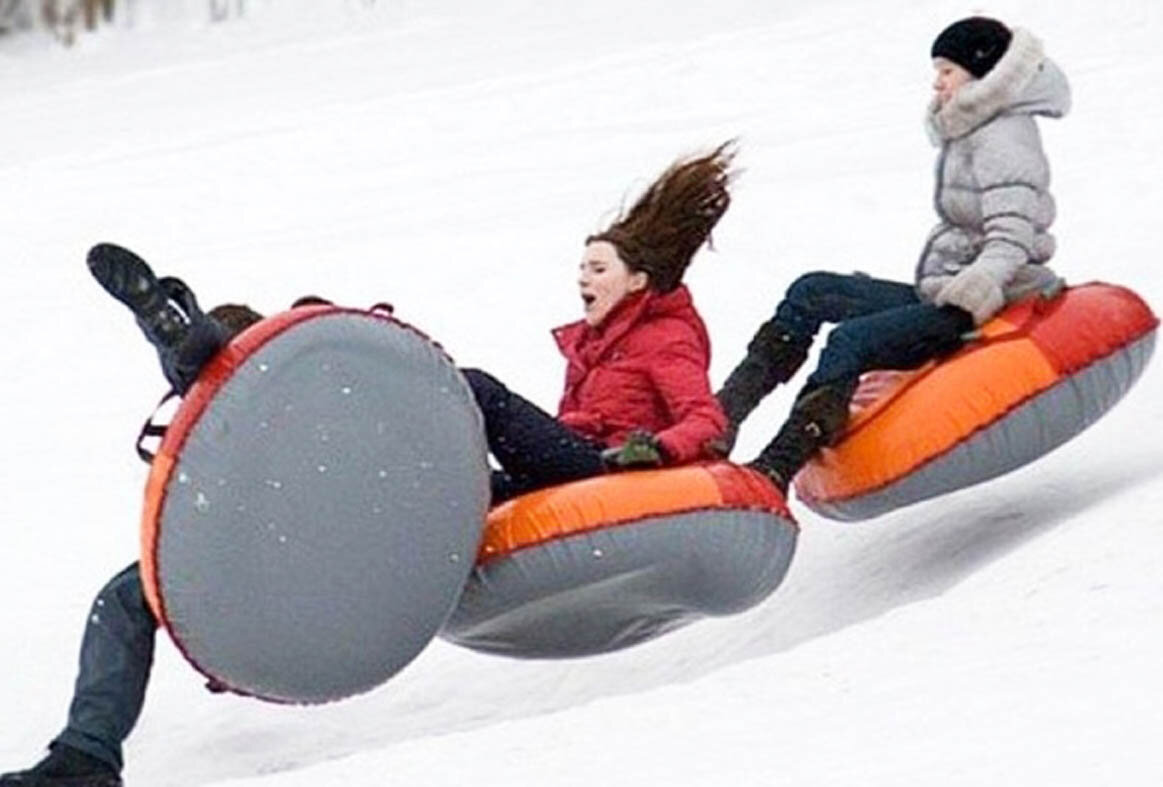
(636, 385)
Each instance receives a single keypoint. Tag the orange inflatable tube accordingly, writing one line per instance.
(607, 562)
(1041, 372)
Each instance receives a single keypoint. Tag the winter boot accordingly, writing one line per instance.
(817, 419)
(773, 357)
(180, 296)
(166, 310)
(65, 767)
(129, 279)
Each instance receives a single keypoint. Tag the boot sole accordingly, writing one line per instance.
(117, 270)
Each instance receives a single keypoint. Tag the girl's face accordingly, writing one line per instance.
(950, 78)
(604, 280)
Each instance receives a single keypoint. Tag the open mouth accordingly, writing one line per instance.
(588, 299)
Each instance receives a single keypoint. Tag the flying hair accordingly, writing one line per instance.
(672, 219)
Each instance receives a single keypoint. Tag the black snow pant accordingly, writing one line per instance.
(116, 657)
(533, 448)
(181, 365)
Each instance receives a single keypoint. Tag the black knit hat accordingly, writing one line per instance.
(975, 44)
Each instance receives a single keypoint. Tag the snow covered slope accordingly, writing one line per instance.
(450, 157)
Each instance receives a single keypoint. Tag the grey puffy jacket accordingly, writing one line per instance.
(992, 192)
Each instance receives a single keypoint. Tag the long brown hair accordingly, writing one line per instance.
(674, 217)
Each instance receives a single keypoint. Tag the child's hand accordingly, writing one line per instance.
(975, 291)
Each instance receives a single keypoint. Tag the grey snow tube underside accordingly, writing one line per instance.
(613, 587)
(323, 512)
(1033, 429)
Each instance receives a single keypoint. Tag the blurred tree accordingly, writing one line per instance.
(224, 9)
(63, 18)
(15, 15)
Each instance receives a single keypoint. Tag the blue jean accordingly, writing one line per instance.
(116, 658)
(880, 325)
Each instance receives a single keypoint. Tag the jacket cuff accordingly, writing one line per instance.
(673, 451)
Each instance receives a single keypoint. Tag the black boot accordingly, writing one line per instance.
(181, 296)
(129, 279)
(65, 767)
(773, 357)
(816, 420)
(166, 310)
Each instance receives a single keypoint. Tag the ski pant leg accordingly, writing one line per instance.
(533, 448)
(901, 338)
(181, 365)
(821, 297)
(116, 657)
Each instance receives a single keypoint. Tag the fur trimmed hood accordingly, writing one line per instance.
(1024, 81)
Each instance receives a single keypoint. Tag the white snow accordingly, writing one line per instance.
(449, 157)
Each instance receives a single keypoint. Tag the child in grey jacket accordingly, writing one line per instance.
(988, 249)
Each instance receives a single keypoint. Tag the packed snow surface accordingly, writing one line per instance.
(449, 157)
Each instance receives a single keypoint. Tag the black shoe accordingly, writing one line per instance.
(772, 475)
(129, 279)
(181, 296)
(817, 420)
(65, 767)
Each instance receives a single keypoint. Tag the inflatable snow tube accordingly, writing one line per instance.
(1043, 371)
(315, 505)
(607, 562)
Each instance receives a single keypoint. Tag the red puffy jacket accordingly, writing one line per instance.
(644, 367)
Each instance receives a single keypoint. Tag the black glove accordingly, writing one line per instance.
(720, 447)
(641, 449)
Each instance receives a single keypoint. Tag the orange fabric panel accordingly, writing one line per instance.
(1011, 321)
(595, 502)
(159, 470)
(928, 417)
(610, 500)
